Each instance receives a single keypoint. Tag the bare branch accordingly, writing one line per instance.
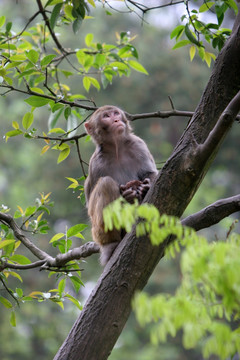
(55, 99)
(145, 8)
(159, 114)
(4, 265)
(213, 213)
(80, 252)
(80, 157)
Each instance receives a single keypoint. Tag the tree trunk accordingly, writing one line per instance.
(107, 309)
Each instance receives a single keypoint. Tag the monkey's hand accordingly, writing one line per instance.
(135, 189)
(144, 187)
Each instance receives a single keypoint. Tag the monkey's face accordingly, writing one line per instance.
(112, 121)
(107, 124)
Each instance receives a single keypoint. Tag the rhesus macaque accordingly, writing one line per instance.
(120, 165)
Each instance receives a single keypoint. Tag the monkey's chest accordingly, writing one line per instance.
(124, 169)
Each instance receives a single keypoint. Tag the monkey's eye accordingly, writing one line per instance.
(105, 115)
(116, 112)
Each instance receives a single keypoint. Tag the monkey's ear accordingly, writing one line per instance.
(88, 128)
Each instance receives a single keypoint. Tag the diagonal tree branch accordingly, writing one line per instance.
(213, 213)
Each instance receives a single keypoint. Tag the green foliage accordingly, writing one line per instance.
(196, 29)
(11, 262)
(33, 65)
(120, 214)
(206, 304)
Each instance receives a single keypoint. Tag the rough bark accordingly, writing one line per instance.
(107, 309)
(213, 213)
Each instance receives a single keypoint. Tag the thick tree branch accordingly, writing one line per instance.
(80, 252)
(213, 213)
(221, 128)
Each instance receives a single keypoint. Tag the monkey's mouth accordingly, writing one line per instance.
(120, 124)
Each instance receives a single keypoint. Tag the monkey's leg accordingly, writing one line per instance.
(106, 190)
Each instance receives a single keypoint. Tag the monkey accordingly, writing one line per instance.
(121, 165)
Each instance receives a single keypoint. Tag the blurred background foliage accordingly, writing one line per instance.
(42, 327)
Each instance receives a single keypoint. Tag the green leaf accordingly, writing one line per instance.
(19, 292)
(8, 26)
(89, 39)
(9, 47)
(15, 125)
(63, 154)
(14, 133)
(5, 243)
(192, 52)
(232, 4)
(91, 2)
(181, 44)
(86, 83)
(30, 210)
(18, 58)
(33, 55)
(121, 65)
(27, 120)
(206, 6)
(100, 60)
(74, 230)
(53, 2)
(37, 101)
(57, 131)
(61, 286)
(56, 237)
(81, 56)
(177, 31)
(37, 90)
(95, 83)
(74, 301)
(77, 24)
(2, 20)
(208, 58)
(55, 15)
(13, 319)
(54, 116)
(47, 59)
(20, 259)
(67, 112)
(5, 302)
(77, 283)
(137, 66)
(190, 36)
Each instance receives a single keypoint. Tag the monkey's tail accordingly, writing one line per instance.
(107, 251)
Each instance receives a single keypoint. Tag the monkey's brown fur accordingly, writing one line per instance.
(120, 165)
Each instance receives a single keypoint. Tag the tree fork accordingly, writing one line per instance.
(101, 321)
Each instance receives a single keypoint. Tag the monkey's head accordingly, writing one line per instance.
(106, 123)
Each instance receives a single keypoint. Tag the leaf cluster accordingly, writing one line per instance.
(196, 31)
(206, 304)
(12, 261)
